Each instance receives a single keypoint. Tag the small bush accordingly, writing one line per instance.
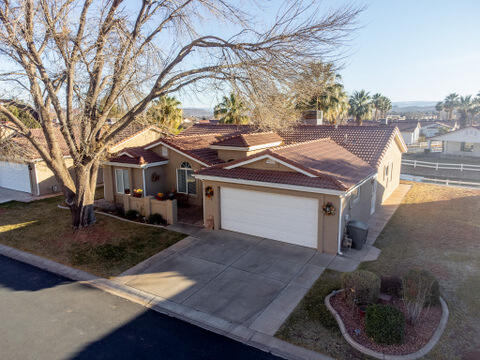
(110, 252)
(132, 215)
(385, 324)
(391, 285)
(418, 281)
(361, 287)
(156, 219)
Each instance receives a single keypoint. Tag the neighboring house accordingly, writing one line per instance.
(273, 185)
(410, 131)
(24, 170)
(463, 142)
(434, 128)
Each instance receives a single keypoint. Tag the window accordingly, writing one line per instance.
(122, 180)
(186, 183)
(466, 147)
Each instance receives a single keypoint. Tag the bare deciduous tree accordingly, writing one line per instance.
(68, 56)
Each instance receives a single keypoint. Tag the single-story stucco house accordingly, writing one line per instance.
(461, 142)
(410, 131)
(299, 186)
(433, 128)
(24, 170)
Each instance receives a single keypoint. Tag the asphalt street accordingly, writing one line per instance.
(44, 317)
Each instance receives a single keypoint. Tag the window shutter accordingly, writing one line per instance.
(181, 181)
(126, 180)
(119, 180)
(192, 184)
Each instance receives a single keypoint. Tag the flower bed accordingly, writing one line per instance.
(415, 337)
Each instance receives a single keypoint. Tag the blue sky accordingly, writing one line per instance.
(409, 50)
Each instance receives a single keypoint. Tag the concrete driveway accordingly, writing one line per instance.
(245, 280)
(7, 195)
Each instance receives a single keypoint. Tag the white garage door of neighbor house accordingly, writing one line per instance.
(14, 176)
(291, 219)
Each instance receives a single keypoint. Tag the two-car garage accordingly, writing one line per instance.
(287, 218)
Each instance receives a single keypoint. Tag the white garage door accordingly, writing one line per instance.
(14, 176)
(286, 218)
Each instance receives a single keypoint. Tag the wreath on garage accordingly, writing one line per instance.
(209, 192)
(329, 209)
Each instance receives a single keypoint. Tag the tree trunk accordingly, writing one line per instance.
(359, 120)
(81, 202)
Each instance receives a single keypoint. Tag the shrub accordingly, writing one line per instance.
(385, 324)
(132, 215)
(361, 287)
(156, 219)
(391, 285)
(420, 289)
(418, 281)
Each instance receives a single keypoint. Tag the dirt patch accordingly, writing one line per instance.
(415, 336)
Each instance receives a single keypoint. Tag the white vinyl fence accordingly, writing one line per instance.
(440, 181)
(440, 166)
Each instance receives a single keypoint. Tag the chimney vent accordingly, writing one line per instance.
(312, 117)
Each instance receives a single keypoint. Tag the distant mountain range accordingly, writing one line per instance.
(198, 112)
(397, 106)
(413, 106)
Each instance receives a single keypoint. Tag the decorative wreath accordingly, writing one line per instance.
(209, 192)
(329, 209)
(155, 177)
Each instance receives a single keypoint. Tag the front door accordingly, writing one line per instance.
(374, 196)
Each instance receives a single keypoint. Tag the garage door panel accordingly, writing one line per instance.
(291, 219)
(14, 176)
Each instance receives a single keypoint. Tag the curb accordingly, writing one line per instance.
(206, 321)
(416, 355)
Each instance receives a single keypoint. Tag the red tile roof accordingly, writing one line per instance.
(137, 156)
(369, 143)
(28, 152)
(272, 176)
(197, 146)
(248, 140)
(322, 158)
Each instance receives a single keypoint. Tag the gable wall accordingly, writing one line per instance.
(141, 139)
(385, 186)
(263, 165)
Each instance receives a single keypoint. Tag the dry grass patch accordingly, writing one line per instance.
(436, 228)
(106, 249)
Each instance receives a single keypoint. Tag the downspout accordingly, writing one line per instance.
(144, 182)
(340, 217)
(36, 179)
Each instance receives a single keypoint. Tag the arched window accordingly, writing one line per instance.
(186, 183)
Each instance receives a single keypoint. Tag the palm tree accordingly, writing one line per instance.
(385, 105)
(450, 103)
(360, 105)
(232, 110)
(376, 102)
(439, 107)
(465, 107)
(166, 113)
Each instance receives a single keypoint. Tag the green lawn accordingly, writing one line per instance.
(437, 228)
(106, 249)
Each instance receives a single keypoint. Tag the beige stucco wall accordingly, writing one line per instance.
(175, 160)
(455, 148)
(327, 225)
(143, 138)
(386, 187)
(263, 165)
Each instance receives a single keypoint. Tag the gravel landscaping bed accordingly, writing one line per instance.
(415, 336)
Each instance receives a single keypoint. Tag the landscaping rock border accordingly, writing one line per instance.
(377, 355)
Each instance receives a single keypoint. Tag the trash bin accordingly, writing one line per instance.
(358, 231)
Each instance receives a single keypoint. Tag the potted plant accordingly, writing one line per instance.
(137, 193)
(127, 191)
(160, 196)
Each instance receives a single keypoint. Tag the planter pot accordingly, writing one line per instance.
(137, 195)
(362, 309)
